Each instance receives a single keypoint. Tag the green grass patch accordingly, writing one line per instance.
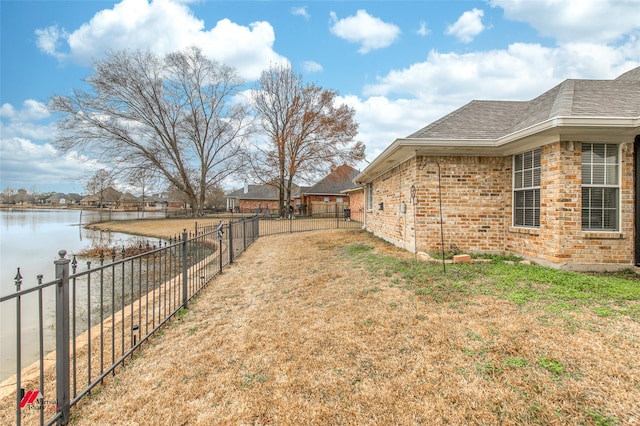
(536, 287)
(552, 365)
(515, 362)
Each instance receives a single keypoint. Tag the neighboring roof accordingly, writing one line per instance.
(57, 196)
(580, 108)
(128, 198)
(255, 192)
(340, 179)
(259, 192)
(108, 195)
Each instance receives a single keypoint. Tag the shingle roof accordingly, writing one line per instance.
(475, 120)
(571, 98)
(260, 192)
(335, 182)
(255, 192)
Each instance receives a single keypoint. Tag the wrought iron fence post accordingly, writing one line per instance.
(230, 242)
(244, 233)
(184, 268)
(62, 337)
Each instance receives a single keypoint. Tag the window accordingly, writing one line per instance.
(370, 196)
(326, 199)
(526, 189)
(600, 187)
(339, 200)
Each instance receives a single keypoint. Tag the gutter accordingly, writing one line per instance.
(553, 123)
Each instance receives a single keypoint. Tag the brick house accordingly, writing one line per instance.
(263, 198)
(555, 179)
(331, 194)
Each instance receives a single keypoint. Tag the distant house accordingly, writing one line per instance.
(331, 195)
(555, 179)
(59, 199)
(129, 201)
(256, 198)
(107, 198)
(74, 198)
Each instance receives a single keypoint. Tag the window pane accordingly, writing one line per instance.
(518, 217)
(528, 199)
(610, 198)
(610, 219)
(528, 217)
(528, 178)
(612, 154)
(585, 219)
(596, 198)
(528, 160)
(598, 152)
(586, 174)
(536, 177)
(612, 174)
(517, 180)
(598, 174)
(518, 162)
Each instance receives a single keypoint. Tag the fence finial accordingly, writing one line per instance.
(18, 279)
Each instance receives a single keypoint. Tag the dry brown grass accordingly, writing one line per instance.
(296, 334)
(161, 228)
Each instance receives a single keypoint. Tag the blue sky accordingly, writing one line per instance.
(400, 64)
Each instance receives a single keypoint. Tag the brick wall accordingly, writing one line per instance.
(356, 204)
(251, 205)
(477, 213)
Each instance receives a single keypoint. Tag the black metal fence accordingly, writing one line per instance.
(91, 318)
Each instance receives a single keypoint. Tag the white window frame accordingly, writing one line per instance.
(370, 196)
(526, 174)
(600, 180)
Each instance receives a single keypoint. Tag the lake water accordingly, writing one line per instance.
(30, 239)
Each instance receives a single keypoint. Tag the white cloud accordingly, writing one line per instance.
(27, 157)
(26, 122)
(368, 31)
(163, 27)
(602, 21)
(405, 100)
(50, 39)
(311, 66)
(423, 30)
(467, 26)
(7, 110)
(300, 11)
(24, 164)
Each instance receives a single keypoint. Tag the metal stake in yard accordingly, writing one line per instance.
(414, 200)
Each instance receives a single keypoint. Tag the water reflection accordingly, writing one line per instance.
(31, 240)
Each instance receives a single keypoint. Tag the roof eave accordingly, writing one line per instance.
(539, 134)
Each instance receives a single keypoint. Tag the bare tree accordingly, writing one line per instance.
(177, 114)
(307, 132)
(97, 183)
(215, 198)
(8, 195)
(144, 179)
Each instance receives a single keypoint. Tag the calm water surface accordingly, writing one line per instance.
(30, 240)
